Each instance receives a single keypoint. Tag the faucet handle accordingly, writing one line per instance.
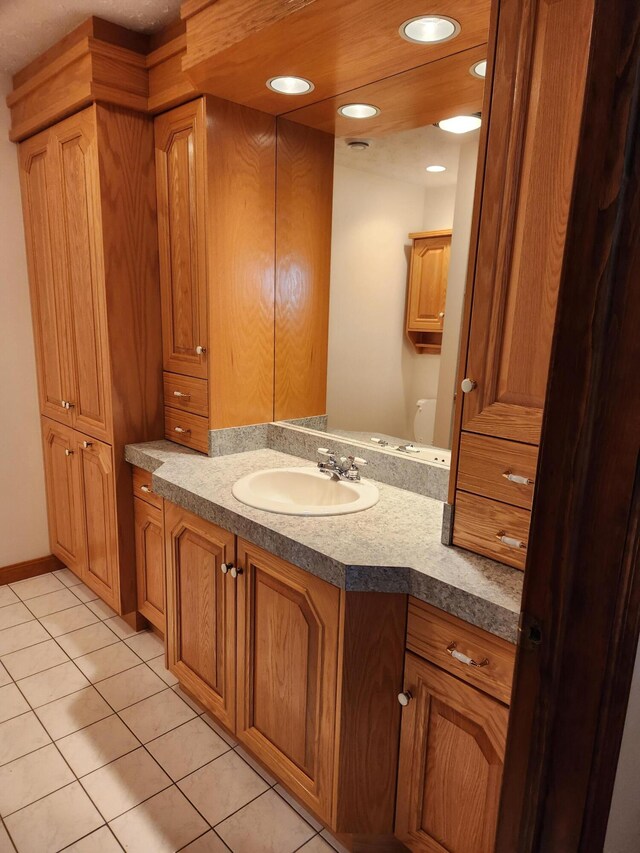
(324, 451)
(356, 460)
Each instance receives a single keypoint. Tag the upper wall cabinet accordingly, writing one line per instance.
(215, 168)
(427, 292)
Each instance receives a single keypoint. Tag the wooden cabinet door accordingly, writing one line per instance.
(149, 530)
(428, 283)
(288, 628)
(451, 758)
(65, 505)
(201, 610)
(49, 304)
(181, 180)
(98, 488)
(79, 263)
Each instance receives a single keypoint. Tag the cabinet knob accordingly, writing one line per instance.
(441, 315)
(145, 489)
(180, 429)
(200, 350)
(87, 444)
(468, 385)
(405, 698)
(63, 403)
(68, 452)
(224, 568)
(235, 571)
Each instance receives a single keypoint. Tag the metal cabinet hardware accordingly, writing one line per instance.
(68, 452)
(451, 648)
(182, 395)
(405, 698)
(224, 568)
(200, 350)
(510, 542)
(145, 489)
(87, 444)
(181, 430)
(468, 385)
(518, 478)
(235, 571)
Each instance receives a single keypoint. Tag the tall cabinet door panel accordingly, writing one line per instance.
(428, 286)
(63, 475)
(288, 627)
(181, 181)
(81, 263)
(48, 294)
(98, 484)
(451, 759)
(201, 610)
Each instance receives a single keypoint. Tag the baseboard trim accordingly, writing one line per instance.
(29, 569)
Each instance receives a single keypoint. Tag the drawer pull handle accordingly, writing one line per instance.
(510, 542)
(181, 430)
(465, 658)
(517, 478)
(145, 489)
(405, 698)
(182, 395)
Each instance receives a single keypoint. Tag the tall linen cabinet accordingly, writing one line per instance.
(89, 207)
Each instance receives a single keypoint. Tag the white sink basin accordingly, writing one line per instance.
(304, 491)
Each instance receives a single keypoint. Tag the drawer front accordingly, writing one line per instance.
(491, 528)
(185, 428)
(495, 469)
(142, 488)
(433, 635)
(186, 394)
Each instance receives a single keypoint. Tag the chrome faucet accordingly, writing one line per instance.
(346, 468)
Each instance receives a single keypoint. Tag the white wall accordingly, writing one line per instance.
(23, 521)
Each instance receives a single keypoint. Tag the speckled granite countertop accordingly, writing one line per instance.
(393, 547)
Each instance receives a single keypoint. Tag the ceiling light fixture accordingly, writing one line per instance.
(429, 29)
(290, 85)
(436, 168)
(358, 144)
(460, 124)
(358, 111)
(479, 69)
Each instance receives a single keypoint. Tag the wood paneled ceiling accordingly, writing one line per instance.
(234, 46)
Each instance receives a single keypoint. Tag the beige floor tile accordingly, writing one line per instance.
(97, 745)
(120, 627)
(317, 845)
(187, 748)
(5, 678)
(157, 665)
(12, 702)
(34, 659)
(133, 685)
(21, 735)
(267, 824)
(207, 843)
(32, 587)
(125, 783)
(67, 577)
(100, 841)
(83, 592)
(54, 822)
(156, 715)
(73, 712)
(108, 661)
(146, 645)
(33, 776)
(223, 786)
(68, 620)
(268, 778)
(195, 706)
(27, 634)
(51, 684)
(6, 845)
(164, 824)
(101, 610)
(219, 730)
(7, 596)
(286, 796)
(14, 614)
(53, 602)
(86, 640)
(333, 842)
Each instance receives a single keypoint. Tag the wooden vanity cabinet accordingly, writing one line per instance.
(149, 529)
(427, 291)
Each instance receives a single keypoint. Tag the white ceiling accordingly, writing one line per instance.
(28, 27)
(405, 156)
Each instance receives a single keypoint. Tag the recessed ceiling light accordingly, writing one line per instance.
(290, 85)
(358, 144)
(429, 29)
(436, 168)
(460, 124)
(479, 69)
(358, 111)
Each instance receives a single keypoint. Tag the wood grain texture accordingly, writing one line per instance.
(143, 489)
(150, 574)
(201, 610)
(413, 98)
(427, 289)
(303, 261)
(169, 86)
(187, 429)
(186, 394)
(29, 569)
(429, 633)
(485, 460)
(479, 521)
(451, 757)
(288, 625)
(234, 47)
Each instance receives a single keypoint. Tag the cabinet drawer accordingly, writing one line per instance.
(485, 466)
(142, 488)
(185, 428)
(433, 635)
(480, 524)
(186, 394)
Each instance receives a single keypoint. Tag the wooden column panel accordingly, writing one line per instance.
(150, 573)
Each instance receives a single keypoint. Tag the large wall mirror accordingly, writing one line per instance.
(395, 191)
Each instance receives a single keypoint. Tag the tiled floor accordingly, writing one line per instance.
(100, 751)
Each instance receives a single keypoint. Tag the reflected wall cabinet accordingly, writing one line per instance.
(89, 209)
(427, 290)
